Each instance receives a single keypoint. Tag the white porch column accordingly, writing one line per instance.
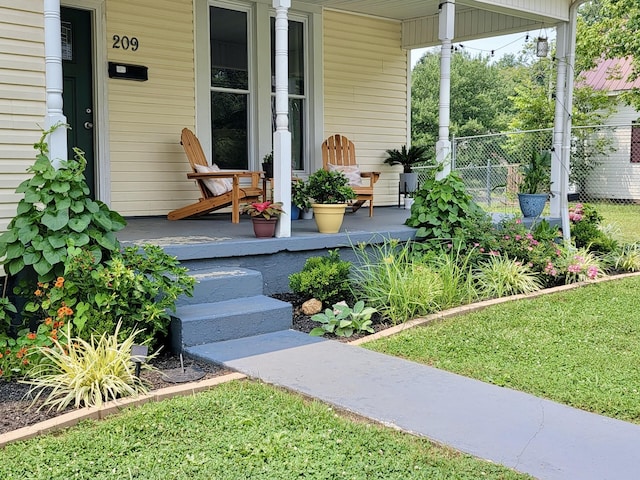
(559, 118)
(53, 81)
(568, 108)
(445, 34)
(282, 135)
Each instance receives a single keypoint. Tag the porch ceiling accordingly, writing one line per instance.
(474, 18)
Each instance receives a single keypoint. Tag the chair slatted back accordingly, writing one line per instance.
(338, 150)
(196, 156)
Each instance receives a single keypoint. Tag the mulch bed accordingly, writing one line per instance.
(14, 411)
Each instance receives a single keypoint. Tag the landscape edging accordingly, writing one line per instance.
(474, 307)
(114, 406)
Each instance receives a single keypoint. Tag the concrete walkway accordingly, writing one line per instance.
(543, 438)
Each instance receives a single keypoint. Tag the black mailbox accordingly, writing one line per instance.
(126, 71)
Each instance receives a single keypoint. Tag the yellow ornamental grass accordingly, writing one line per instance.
(86, 373)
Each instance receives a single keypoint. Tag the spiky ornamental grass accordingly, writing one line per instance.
(86, 373)
(500, 276)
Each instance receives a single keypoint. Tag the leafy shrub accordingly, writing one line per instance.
(500, 277)
(586, 231)
(343, 320)
(329, 187)
(396, 285)
(324, 278)
(136, 287)
(56, 214)
(87, 373)
(444, 211)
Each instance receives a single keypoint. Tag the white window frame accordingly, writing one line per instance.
(259, 102)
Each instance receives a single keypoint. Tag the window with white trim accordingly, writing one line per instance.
(297, 56)
(230, 87)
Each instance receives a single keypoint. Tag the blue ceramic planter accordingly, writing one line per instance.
(295, 212)
(532, 204)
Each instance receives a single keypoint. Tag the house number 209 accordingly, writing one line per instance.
(125, 42)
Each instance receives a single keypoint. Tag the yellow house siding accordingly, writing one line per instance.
(22, 95)
(148, 165)
(365, 87)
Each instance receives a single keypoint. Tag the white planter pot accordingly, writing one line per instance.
(408, 202)
(307, 214)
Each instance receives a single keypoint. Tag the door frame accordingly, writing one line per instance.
(100, 111)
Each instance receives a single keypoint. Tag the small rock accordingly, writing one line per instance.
(311, 307)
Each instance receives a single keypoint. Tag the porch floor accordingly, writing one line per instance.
(214, 236)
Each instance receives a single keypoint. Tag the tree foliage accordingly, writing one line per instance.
(609, 29)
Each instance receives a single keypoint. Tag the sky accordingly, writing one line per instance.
(500, 45)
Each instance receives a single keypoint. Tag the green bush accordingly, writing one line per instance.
(443, 212)
(138, 287)
(56, 214)
(586, 231)
(324, 278)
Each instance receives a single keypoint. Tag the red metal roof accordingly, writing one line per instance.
(611, 75)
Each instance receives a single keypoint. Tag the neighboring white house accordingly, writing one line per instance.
(136, 73)
(617, 175)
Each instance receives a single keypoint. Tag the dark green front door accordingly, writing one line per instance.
(77, 95)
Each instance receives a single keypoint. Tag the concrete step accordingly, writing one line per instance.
(229, 319)
(216, 284)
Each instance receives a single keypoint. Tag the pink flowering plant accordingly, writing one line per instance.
(586, 231)
(264, 210)
(579, 265)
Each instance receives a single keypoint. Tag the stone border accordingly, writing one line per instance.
(114, 406)
(474, 307)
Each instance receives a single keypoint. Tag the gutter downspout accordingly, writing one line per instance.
(568, 108)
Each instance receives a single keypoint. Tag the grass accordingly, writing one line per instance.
(580, 347)
(239, 430)
(624, 217)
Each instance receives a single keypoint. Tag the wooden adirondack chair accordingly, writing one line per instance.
(338, 151)
(210, 202)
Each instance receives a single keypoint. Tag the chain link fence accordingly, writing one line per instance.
(604, 169)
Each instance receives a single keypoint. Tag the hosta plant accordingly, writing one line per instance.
(86, 373)
(343, 320)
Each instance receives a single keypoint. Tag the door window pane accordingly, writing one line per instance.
(229, 53)
(229, 122)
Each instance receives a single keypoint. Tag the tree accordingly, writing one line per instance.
(479, 97)
(609, 29)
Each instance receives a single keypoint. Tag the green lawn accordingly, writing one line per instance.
(623, 218)
(580, 347)
(238, 430)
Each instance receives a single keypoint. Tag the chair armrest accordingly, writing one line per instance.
(222, 174)
(371, 175)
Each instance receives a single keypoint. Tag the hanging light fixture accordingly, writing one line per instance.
(542, 47)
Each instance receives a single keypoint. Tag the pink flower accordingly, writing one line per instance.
(574, 268)
(518, 237)
(494, 253)
(507, 237)
(592, 272)
(481, 250)
(518, 221)
(261, 207)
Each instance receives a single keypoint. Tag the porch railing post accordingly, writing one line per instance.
(53, 81)
(282, 135)
(559, 119)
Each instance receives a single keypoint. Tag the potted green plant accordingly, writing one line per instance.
(264, 216)
(299, 198)
(330, 192)
(407, 158)
(267, 165)
(535, 184)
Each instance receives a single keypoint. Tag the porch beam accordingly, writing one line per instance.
(57, 141)
(445, 34)
(282, 135)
